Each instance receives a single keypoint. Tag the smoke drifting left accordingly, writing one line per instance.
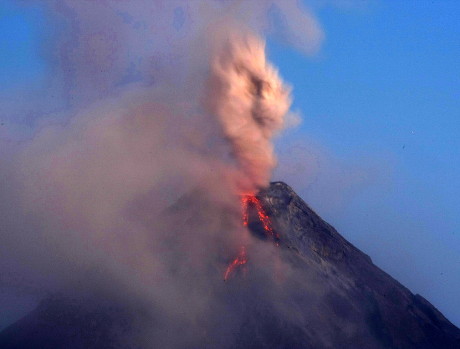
(157, 115)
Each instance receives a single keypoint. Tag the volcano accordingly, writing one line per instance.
(348, 301)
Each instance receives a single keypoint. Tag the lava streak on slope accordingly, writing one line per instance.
(252, 201)
(241, 259)
(247, 202)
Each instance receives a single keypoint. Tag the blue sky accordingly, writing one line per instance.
(21, 34)
(382, 100)
(384, 93)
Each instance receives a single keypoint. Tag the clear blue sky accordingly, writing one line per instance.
(382, 94)
(385, 89)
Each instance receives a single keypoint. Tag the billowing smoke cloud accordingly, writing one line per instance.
(151, 123)
(250, 100)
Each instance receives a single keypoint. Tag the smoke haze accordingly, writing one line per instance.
(156, 116)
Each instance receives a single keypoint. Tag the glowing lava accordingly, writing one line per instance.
(252, 200)
(248, 201)
(241, 259)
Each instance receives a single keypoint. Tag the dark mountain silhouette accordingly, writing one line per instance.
(393, 316)
(348, 301)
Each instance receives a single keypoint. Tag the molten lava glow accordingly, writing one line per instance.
(241, 259)
(263, 217)
(253, 201)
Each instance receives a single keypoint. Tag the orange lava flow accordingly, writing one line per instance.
(263, 217)
(241, 259)
(253, 201)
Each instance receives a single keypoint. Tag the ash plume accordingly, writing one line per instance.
(126, 184)
(250, 101)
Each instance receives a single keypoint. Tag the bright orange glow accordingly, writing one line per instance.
(263, 217)
(253, 201)
(241, 259)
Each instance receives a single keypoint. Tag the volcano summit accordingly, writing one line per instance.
(331, 296)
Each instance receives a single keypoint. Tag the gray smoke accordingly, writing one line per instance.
(151, 124)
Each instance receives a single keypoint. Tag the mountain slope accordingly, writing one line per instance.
(396, 317)
(330, 295)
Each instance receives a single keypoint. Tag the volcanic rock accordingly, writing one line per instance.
(335, 297)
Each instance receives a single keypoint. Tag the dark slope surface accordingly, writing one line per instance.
(395, 316)
(335, 298)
